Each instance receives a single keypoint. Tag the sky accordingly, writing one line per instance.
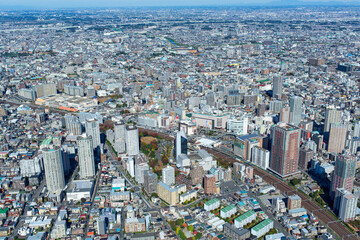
(164, 3)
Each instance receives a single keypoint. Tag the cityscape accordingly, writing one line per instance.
(186, 123)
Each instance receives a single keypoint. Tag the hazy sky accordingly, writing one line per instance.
(139, 3)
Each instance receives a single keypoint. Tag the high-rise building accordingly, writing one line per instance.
(140, 170)
(210, 184)
(119, 142)
(285, 114)
(260, 157)
(234, 98)
(261, 109)
(150, 182)
(347, 206)
(197, 174)
(180, 144)
(344, 173)
(356, 132)
(305, 155)
(332, 115)
(132, 140)
(86, 156)
(285, 149)
(295, 110)
(73, 125)
(93, 129)
(168, 175)
(337, 137)
(54, 170)
(277, 86)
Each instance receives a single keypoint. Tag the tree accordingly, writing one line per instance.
(182, 235)
(190, 228)
(295, 181)
(179, 221)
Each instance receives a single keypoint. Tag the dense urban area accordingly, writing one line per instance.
(180, 123)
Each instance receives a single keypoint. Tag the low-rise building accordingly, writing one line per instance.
(262, 228)
(212, 204)
(170, 194)
(236, 234)
(188, 196)
(244, 219)
(228, 211)
(135, 225)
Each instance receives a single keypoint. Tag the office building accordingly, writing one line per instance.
(86, 156)
(168, 175)
(54, 169)
(295, 110)
(180, 144)
(344, 173)
(285, 149)
(93, 129)
(132, 140)
(337, 137)
(210, 184)
(277, 87)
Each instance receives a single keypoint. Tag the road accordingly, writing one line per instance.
(98, 179)
(135, 187)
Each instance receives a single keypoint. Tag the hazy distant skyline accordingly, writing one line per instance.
(164, 3)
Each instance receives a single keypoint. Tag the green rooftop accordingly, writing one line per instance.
(245, 216)
(46, 141)
(227, 208)
(212, 201)
(261, 225)
(3, 210)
